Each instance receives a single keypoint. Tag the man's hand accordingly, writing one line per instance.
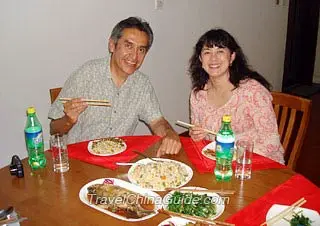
(73, 108)
(171, 142)
(197, 133)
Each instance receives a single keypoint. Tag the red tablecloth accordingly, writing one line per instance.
(140, 143)
(205, 165)
(285, 194)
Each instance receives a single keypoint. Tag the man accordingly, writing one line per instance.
(117, 79)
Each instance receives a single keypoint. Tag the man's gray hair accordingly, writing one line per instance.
(132, 22)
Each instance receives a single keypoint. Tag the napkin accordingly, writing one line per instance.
(139, 143)
(285, 194)
(204, 165)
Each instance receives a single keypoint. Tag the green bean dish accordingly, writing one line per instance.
(192, 204)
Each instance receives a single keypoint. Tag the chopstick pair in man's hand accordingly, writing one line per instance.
(90, 102)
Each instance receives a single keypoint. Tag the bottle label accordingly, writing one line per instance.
(224, 150)
(34, 140)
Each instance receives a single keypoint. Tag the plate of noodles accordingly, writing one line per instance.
(107, 146)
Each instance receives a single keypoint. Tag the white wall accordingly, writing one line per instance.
(43, 41)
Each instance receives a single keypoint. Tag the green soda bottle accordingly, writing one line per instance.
(224, 150)
(34, 140)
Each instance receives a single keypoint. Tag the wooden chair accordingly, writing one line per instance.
(54, 92)
(293, 115)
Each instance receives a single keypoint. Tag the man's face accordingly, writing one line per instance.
(129, 52)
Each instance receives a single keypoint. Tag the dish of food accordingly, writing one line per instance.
(209, 151)
(120, 199)
(157, 176)
(289, 220)
(107, 146)
(178, 221)
(201, 203)
(175, 221)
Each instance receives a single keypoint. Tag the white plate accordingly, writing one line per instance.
(144, 192)
(275, 209)
(212, 146)
(177, 221)
(219, 201)
(93, 153)
(13, 215)
(146, 161)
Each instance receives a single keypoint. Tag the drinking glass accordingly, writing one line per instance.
(244, 151)
(58, 146)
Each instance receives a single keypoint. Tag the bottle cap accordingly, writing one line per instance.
(31, 110)
(226, 118)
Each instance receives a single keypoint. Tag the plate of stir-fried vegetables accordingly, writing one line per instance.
(200, 203)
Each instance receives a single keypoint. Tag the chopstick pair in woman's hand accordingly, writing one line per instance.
(187, 125)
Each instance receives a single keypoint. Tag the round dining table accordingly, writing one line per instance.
(49, 198)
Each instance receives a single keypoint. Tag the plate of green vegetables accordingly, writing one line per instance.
(299, 217)
(198, 203)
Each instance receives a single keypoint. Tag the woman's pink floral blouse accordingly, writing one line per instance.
(252, 116)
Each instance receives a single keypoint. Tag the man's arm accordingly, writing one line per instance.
(60, 126)
(171, 141)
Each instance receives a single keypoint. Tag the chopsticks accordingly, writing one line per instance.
(222, 192)
(184, 124)
(146, 156)
(194, 218)
(91, 102)
(284, 212)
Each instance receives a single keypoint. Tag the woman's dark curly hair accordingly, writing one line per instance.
(239, 70)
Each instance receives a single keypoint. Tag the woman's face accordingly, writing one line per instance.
(216, 61)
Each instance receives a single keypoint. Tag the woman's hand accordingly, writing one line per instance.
(197, 133)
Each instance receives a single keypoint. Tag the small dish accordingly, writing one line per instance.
(175, 221)
(209, 151)
(120, 147)
(275, 209)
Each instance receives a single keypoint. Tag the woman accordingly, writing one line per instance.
(222, 84)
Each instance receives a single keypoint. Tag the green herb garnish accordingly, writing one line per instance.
(300, 220)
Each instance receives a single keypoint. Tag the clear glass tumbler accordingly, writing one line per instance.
(58, 146)
(244, 149)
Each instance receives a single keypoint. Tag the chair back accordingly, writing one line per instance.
(292, 115)
(54, 92)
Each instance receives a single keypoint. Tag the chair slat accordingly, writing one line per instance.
(283, 121)
(288, 134)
